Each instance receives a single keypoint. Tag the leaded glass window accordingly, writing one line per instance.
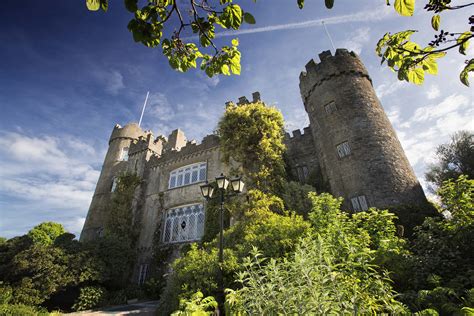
(359, 203)
(343, 149)
(185, 223)
(187, 175)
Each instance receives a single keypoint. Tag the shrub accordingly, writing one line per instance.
(90, 297)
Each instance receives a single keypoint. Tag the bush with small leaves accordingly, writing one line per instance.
(89, 297)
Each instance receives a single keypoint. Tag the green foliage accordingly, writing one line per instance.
(443, 254)
(121, 222)
(197, 305)
(409, 59)
(276, 234)
(37, 271)
(405, 7)
(312, 281)
(453, 159)
(252, 135)
(295, 197)
(331, 271)
(45, 233)
(112, 251)
(89, 297)
(22, 310)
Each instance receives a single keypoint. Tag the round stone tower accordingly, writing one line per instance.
(359, 153)
(115, 162)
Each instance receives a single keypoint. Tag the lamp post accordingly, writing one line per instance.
(207, 190)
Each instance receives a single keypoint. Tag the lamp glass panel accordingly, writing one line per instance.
(222, 182)
(235, 184)
(205, 190)
(211, 190)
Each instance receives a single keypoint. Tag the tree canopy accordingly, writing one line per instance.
(453, 159)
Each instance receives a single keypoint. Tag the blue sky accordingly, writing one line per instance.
(67, 76)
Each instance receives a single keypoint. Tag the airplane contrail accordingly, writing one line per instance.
(363, 16)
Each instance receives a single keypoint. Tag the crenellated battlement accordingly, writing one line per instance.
(297, 139)
(243, 99)
(330, 67)
(296, 135)
(191, 148)
(147, 142)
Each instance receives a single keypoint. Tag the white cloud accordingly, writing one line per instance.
(159, 107)
(454, 102)
(356, 40)
(112, 80)
(431, 126)
(386, 89)
(47, 175)
(433, 92)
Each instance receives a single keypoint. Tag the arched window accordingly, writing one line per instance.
(188, 175)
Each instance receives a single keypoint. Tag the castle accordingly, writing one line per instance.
(349, 143)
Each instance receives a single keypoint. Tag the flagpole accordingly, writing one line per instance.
(327, 33)
(143, 110)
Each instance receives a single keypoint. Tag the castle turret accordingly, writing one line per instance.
(359, 153)
(115, 162)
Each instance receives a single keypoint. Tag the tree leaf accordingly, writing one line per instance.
(300, 4)
(235, 42)
(435, 20)
(464, 75)
(131, 5)
(465, 45)
(430, 66)
(405, 7)
(248, 18)
(329, 3)
(93, 5)
(225, 70)
(416, 76)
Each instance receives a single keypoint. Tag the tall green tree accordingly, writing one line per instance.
(46, 233)
(453, 159)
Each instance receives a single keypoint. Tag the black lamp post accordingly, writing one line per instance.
(207, 190)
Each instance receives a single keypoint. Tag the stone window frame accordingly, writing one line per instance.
(359, 203)
(302, 172)
(343, 149)
(124, 154)
(185, 175)
(330, 107)
(113, 186)
(192, 215)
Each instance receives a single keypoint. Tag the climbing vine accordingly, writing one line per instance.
(252, 135)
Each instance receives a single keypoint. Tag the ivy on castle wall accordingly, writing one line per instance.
(252, 135)
(123, 226)
(121, 221)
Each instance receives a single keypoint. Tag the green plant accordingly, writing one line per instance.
(442, 253)
(252, 135)
(89, 297)
(197, 305)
